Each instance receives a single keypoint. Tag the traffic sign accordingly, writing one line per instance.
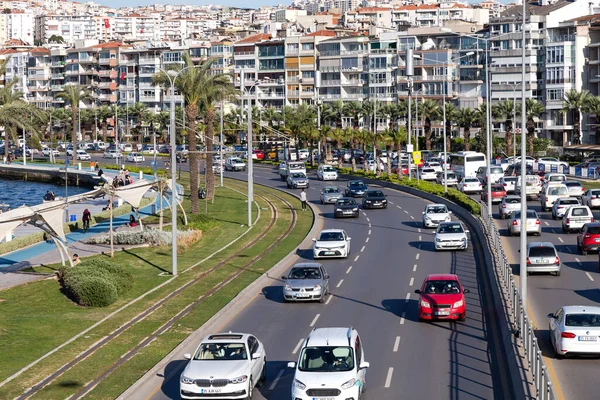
(518, 130)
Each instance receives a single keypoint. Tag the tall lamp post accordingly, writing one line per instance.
(523, 238)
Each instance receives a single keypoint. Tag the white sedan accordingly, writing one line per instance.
(83, 155)
(434, 214)
(451, 236)
(470, 184)
(427, 174)
(591, 198)
(135, 157)
(575, 330)
(46, 152)
(331, 243)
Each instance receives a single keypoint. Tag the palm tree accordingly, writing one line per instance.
(575, 102)
(337, 111)
(394, 112)
(534, 109)
(104, 113)
(299, 120)
(74, 94)
(505, 110)
(593, 108)
(466, 118)
(429, 110)
(354, 110)
(339, 137)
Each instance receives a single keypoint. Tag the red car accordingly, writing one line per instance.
(258, 154)
(589, 238)
(442, 297)
(498, 193)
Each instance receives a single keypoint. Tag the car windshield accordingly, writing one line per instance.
(436, 210)
(530, 214)
(357, 185)
(497, 188)
(572, 184)
(510, 179)
(451, 175)
(221, 352)
(442, 287)
(345, 202)
(305, 273)
(512, 200)
(330, 190)
(542, 251)
(428, 170)
(496, 170)
(331, 236)
(582, 320)
(326, 359)
(557, 191)
(298, 175)
(329, 168)
(236, 160)
(471, 180)
(296, 165)
(594, 230)
(375, 193)
(450, 228)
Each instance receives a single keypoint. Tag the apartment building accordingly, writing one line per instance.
(38, 77)
(20, 26)
(69, 27)
(222, 53)
(363, 18)
(271, 92)
(429, 15)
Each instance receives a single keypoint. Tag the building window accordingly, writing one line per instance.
(555, 54)
(555, 94)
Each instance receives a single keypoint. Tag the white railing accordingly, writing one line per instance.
(518, 316)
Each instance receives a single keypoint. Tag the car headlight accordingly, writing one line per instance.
(299, 385)
(384, 201)
(349, 384)
(338, 209)
(318, 286)
(239, 379)
(287, 287)
(425, 304)
(428, 219)
(438, 239)
(448, 218)
(186, 380)
(458, 304)
(464, 239)
(368, 201)
(355, 209)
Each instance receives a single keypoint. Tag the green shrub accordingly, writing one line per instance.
(90, 290)
(202, 222)
(122, 278)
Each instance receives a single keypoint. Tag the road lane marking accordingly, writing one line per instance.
(314, 321)
(362, 249)
(589, 276)
(407, 296)
(412, 282)
(369, 232)
(418, 255)
(365, 214)
(328, 299)
(392, 203)
(340, 283)
(577, 259)
(402, 317)
(369, 224)
(368, 219)
(388, 378)
(356, 258)
(419, 230)
(546, 222)
(399, 207)
(414, 267)
(298, 346)
(420, 237)
(396, 344)
(561, 240)
(411, 217)
(367, 240)
(405, 211)
(277, 378)
(349, 269)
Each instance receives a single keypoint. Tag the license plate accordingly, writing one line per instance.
(588, 338)
(329, 253)
(323, 398)
(210, 390)
(541, 261)
(347, 212)
(302, 295)
(442, 313)
(597, 240)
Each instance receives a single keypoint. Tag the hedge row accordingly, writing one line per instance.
(96, 283)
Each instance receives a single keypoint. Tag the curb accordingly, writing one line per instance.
(139, 390)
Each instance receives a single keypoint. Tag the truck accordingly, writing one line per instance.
(288, 167)
(533, 186)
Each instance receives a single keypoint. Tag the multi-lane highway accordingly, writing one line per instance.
(373, 291)
(577, 285)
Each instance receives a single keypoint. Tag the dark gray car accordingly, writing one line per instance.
(306, 282)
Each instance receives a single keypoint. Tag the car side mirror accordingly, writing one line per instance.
(349, 238)
(466, 291)
(551, 315)
(364, 365)
(449, 212)
(284, 277)
(256, 356)
(326, 276)
(291, 364)
(423, 212)
(314, 239)
(466, 231)
(417, 291)
(187, 356)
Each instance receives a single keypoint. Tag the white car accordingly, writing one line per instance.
(436, 166)
(451, 236)
(227, 365)
(111, 154)
(303, 153)
(427, 174)
(434, 214)
(372, 166)
(470, 184)
(509, 183)
(127, 147)
(560, 206)
(83, 155)
(332, 360)
(235, 164)
(331, 243)
(575, 330)
(46, 152)
(591, 198)
(576, 217)
(452, 180)
(550, 193)
(135, 157)
(326, 172)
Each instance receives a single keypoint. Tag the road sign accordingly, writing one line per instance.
(409, 148)
(416, 155)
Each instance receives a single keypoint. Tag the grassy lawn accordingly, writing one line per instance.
(51, 318)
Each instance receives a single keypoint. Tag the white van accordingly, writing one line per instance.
(550, 193)
(496, 172)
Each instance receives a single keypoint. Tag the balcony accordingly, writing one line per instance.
(39, 77)
(72, 72)
(346, 53)
(91, 71)
(294, 52)
(329, 68)
(148, 61)
(354, 82)
(273, 95)
(57, 76)
(128, 61)
(108, 85)
(354, 96)
(424, 78)
(88, 60)
(307, 94)
(293, 93)
(58, 64)
(107, 74)
(37, 88)
(57, 88)
(332, 82)
(560, 38)
(108, 61)
(330, 96)
(108, 97)
(353, 68)
(149, 98)
(147, 85)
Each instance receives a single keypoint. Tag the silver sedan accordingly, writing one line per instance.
(330, 194)
(509, 204)
(532, 222)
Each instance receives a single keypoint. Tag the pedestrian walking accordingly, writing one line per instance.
(303, 199)
(86, 219)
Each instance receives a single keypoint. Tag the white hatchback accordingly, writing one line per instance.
(575, 330)
(327, 172)
(576, 217)
(435, 214)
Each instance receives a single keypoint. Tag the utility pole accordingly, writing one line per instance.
(409, 74)
(523, 241)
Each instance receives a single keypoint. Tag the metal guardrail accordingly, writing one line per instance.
(518, 316)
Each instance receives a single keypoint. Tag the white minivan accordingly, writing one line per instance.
(331, 365)
(496, 172)
(550, 193)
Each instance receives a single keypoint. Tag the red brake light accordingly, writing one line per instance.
(557, 260)
(528, 262)
(568, 335)
(515, 222)
(537, 221)
(587, 236)
(568, 221)
(503, 205)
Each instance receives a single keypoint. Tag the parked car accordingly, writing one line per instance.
(575, 330)
(497, 193)
(46, 152)
(135, 157)
(435, 214)
(306, 282)
(111, 154)
(470, 184)
(561, 205)
(588, 238)
(235, 164)
(442, 297)
(576, 217)
(258, 155)
(532, 221)
(330, 194)
(346, 207)
(331, 243)
(542, 257)
(451, 236)
(509, 204)
(224, 363)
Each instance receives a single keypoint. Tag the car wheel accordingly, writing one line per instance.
(583, 252)
(250, 389)
(322, 201)
(557, 273)
(263, 374)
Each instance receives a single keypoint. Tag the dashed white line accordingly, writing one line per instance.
(368, 219)
(328, 299)
(396, 344)
(364, 213)
(561, 240)
(356, 258)
(408, 296)
(420, 237)
(369, 224)
(298, 346)
(414, 267)
(340, 283)
(362, 249)
(546, 222)
(417, 256)
(577, 259)
(406, 211)
(369, 232)
(349, 269)
(314, 321)
(589, 276)
(411, 217)
(412, 282)
(399, 207)
(388, 378)
(419, 230)
(402, 317)
(279, 375)
(392, 203)
(367, 240)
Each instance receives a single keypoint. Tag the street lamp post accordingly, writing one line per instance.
(523, 238)
(409, 74)
(221, 139)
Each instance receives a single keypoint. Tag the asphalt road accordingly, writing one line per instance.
(372, 290)
(577, 285)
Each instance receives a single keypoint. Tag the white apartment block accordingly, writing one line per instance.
(21, 26)
(69, 27)
(137, 27)
(288, 15)
(363, 18)
(438, 14)
(342, 5)
(3, 28)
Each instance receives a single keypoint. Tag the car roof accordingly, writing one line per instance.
(307, 265)
(540, 244)
(331, 337)
(332, 230)
(442, 277)
(435, 204)
(582, 309)
(355, 181)
(567, 198)
(226, 337)
(512, 196)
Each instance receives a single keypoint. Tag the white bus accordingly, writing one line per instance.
(466, 163)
